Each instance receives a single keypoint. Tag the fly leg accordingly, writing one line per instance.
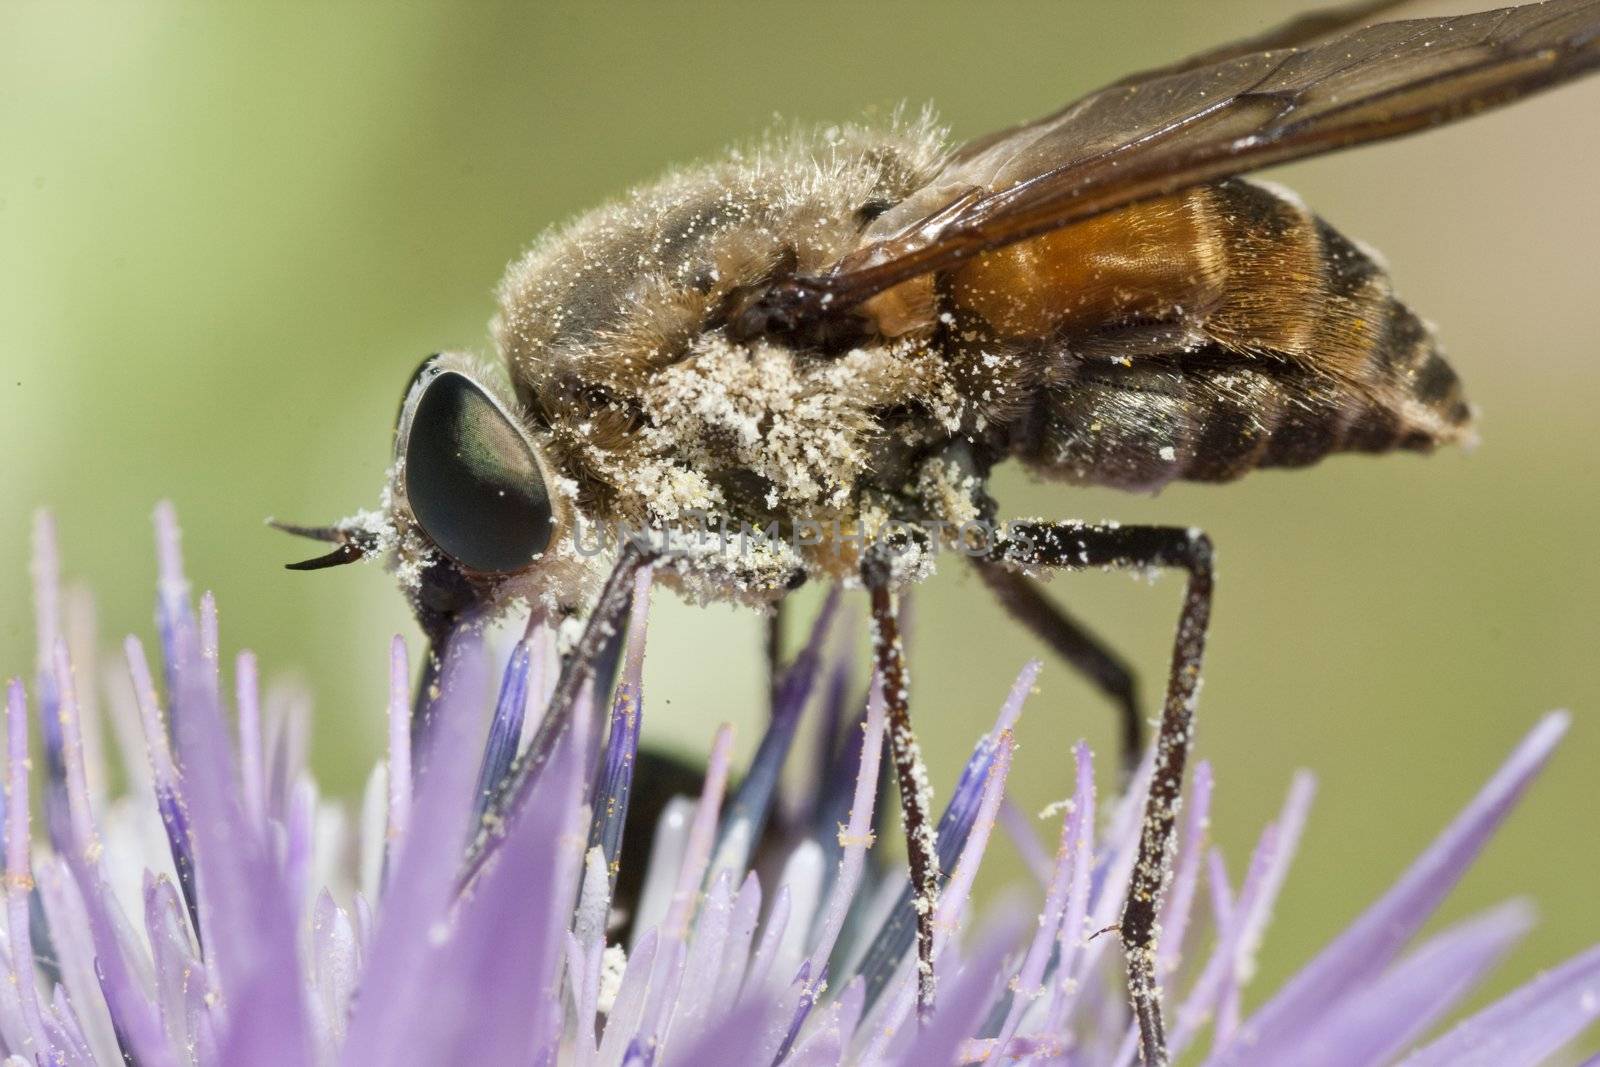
(916, 798)
(578, 667)
(774, 652)
(1021, 596)
(1078, 546)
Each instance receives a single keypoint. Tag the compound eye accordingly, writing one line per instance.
(473, 480)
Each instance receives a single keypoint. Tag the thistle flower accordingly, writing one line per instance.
(219, 911)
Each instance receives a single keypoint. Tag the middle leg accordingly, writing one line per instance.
(916, 795)
(1078, 546)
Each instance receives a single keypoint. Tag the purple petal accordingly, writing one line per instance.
(79, 810)
(622, 1022)
(177, 967)
(1367, 946)
(1522, 1029)
(299, 833)
(210, 643)
(831, 723)
(695, 1006)
(614, 599)
(1071, 855)
(137, 1025)
(486, 985)
(741, 932)
(1291, 828)
(1218, 987)
(734, 1042)
(69, 1034)
(856, 837)
(664, 987)
(964, 1001)
(19, 869)
(1020, 830)
(806, 1000)
(702, 832)
(505, 726)
(176, 624)
(615, 783)
(250, 914)
(83, 642)
(46, 567)
(1108, 887)
(128, 732)
(583, 986)
(825, 1045)
(421, 888)
(72, 939)
(1078, 848)
(252, 776)
(752, 802)
(1380, 1020)
(1220, 971)
(894, 939)
(1222, 904)
(399, 716)
(772, 937)
(164, 778)
(954, 900)
(268, 1026)
(1191, 851)
(288, 719)
(802, 875)
(121, 970)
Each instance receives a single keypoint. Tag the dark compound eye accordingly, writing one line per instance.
(472, 479)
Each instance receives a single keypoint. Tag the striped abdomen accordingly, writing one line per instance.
(1203, 335)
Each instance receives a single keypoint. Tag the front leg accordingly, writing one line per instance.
(578, 668)
(1077, 546)
(592, 658)
(774, 653)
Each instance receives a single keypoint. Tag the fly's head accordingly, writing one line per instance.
(473, 517)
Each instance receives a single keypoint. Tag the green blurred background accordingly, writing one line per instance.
(227, 235)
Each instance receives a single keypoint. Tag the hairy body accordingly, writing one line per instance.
(1196, 336)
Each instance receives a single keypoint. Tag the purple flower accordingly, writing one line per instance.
(219, 911)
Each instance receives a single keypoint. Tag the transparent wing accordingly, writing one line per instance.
(1298, 32)
(1189, 124)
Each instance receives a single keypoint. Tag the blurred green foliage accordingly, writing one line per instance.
(227, 233)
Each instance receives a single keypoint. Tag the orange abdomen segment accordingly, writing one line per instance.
(1275, 342)
(1153, 260)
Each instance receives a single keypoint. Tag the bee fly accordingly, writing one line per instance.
(846, 331)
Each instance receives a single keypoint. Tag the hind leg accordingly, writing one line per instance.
(1021, 596)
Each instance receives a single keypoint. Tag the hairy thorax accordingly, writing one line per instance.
(612, 333)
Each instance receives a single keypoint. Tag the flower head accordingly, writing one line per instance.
(219, 911)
